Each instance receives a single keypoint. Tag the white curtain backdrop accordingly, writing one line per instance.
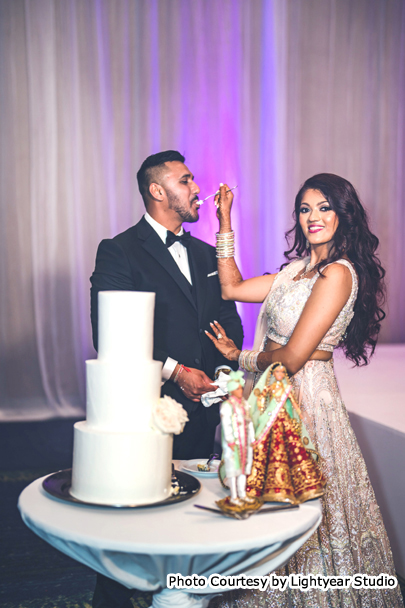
(260, 93)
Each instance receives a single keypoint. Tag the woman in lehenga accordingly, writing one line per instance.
(329, 294)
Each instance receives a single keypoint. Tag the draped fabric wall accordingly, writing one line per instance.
(260, 93)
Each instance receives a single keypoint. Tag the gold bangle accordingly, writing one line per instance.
(178, 373)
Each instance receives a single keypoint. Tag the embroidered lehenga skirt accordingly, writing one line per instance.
(351, 538)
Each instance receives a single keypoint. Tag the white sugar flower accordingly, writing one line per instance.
(168, 416)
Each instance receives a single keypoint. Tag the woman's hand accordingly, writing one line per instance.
(225, 345)
(223, 201)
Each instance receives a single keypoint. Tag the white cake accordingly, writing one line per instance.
(118, 458)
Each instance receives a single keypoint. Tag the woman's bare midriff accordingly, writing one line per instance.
(317, 355)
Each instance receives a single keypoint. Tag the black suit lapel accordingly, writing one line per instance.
(199, 274)
(153, 244)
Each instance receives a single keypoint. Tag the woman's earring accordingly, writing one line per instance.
(307, 244)
(344, 244)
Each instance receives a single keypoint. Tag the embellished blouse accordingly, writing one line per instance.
(287, 299)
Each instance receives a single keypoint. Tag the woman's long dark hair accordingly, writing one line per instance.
(353, 239)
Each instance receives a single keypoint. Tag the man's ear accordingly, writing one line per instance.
(156, 191)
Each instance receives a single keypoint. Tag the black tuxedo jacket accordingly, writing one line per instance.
(138, 260)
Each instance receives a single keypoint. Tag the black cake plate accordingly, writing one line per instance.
(58, 485)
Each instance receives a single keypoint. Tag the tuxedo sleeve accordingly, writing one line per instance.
(113, 273)
(230, 321)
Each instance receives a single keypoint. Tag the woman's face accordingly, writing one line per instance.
(317, 219)
(279, 373)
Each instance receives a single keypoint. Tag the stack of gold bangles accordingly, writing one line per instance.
(225, 244)
(248, 360)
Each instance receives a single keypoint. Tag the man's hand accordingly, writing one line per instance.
(194, 383)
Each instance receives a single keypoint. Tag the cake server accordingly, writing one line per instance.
(247, 514)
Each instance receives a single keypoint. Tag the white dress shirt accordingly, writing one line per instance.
(180, 256)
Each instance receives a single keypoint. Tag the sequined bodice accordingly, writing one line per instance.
(287, 299)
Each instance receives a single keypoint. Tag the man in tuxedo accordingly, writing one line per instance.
(157, 255)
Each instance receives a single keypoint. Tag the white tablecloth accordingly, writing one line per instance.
(140, 547)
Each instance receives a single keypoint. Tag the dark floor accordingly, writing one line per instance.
(32, 573)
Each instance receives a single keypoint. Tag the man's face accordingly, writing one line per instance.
(238, 392)
(181, 191)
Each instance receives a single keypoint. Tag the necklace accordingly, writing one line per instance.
(309, 267)
(276, 387)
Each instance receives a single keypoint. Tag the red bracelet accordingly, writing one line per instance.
(178, 373)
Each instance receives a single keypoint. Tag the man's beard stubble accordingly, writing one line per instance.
(185, 214)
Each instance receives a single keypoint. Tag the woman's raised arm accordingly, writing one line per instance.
(233, 287)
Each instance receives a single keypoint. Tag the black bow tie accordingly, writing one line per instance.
(184, 239)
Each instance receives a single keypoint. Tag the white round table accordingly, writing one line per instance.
(140, 547)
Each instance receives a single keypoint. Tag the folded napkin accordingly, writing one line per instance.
(214, 396)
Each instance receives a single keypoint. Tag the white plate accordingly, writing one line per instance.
(191, 467)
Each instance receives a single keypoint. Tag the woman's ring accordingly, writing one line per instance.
(219, 336)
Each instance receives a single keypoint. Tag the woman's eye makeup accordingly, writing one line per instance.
(307, 209)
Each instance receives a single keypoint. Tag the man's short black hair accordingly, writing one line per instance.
(151, 168)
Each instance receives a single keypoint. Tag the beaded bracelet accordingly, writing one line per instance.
(248, 360)
(178, 373)
(225, 244)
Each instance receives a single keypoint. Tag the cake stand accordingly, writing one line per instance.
(140, 547)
